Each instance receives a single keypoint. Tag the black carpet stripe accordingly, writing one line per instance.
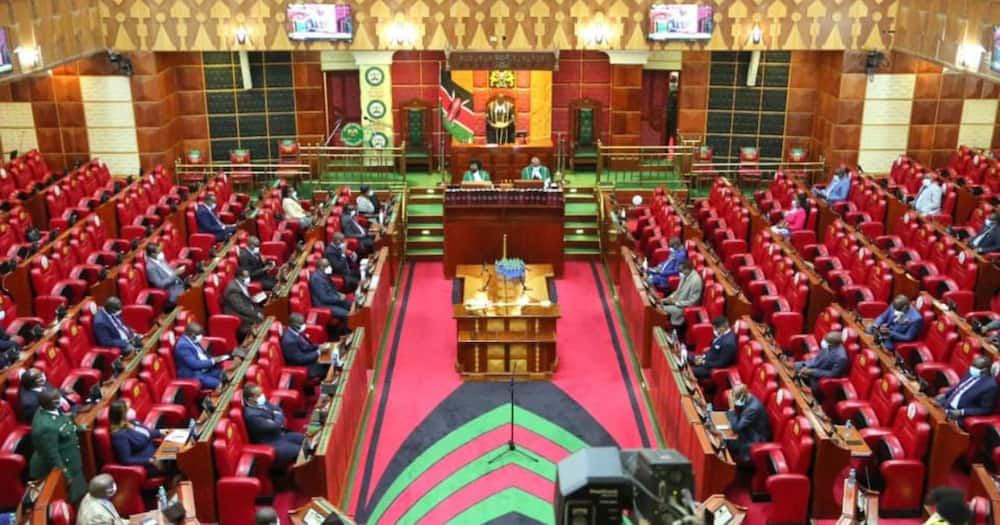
(512, 518)
(553, 292)
(473, 399)
(390, 366)
(620, 355)
(457, 288)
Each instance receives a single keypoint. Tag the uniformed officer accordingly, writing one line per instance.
(53, 437)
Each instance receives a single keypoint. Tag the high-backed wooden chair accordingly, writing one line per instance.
(584, 131)
(416, 127)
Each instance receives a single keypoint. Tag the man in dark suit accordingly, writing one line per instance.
(325, 294)
(974, 395)
(830, 361)
(161, 275)
(236, 301)
(194, 362)
(350, 227)
(300, 351)
(33, 385)
(988, 238)
(343, 264)
(251, 261)
(721, 353)
(748, 420)
(900, 323)
(209, 222)
(266, 426)
(109, 329)
(55, 445)
(9, 348)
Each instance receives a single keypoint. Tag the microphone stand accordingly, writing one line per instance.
(511, 446)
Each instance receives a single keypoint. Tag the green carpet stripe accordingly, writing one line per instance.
(482, 424)
(504, 502)
(474, 470)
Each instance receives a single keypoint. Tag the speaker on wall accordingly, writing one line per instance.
(591, 488)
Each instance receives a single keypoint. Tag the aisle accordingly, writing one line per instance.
(430, 437)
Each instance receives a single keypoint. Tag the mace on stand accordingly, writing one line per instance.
(504, 256)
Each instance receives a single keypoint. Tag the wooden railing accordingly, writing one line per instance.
(354, 164)
(809, 172)
(642, 164)
(254, 174)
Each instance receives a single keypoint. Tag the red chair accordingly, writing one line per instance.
(805, 344)
(290, 401)
(876, 411)
(130, 479)
(80, 347)
(749, 169)
(15, 449)
(781, 471)
(936, 345)
(862, 376)
(941, 375)
(167, 389)
(140, 301)
(899, 453)
(61, 373)
(288, 377)
(243, 473)
(151, 413)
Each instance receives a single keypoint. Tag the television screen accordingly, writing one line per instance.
(319, 22)
(5, 62)
(680, 22)
(995, 56)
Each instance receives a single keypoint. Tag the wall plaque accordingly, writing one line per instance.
(499, 60)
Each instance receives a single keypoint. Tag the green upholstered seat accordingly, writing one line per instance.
(585, 128)
(416, 147)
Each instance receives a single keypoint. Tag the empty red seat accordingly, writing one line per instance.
(782, 472)
(899, 455)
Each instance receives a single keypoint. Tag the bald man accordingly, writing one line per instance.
(900, 323)
(748, 419)
(96, 507)
(830, 361)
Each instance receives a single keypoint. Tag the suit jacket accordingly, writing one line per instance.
(979, 399)
(55, 445)
(208, 222)
(252, 263)
(468, 176)
(688, 292)
(6, 343)
(839, 189)
(236, 302)
(907, 328)
(722, 352)
(94, 511)
(161, 276)
(324, 293)
(987, 240)
(341, 264)
(368, 204)
(189, 361)
(528, 173)
(669, 268)
(265, 424)
(928, 199)
(750, 422)
(132, 446)
(350, 227)
(106, 332)
(297, 349)
(831, 362)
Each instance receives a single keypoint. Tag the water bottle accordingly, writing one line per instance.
(848, 425)
(161, 497)
(851, 479)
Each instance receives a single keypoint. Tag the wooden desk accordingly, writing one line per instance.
(333, 429)
(720, 420)
(277, 304)
(53, 489)
(168, 449)
(983, 484)
(855, 443)
(377, 307)
(504, 325)
(716, 502)
(502, 162)
(820, 293)
(476, 221)
(315, 511)
(394, 237)
(639, 307)
(185, 494)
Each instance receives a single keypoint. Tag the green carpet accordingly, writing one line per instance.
(424, 209)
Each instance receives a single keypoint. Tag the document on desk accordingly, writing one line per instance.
(178, 435)
(259, 297)
(312, 517)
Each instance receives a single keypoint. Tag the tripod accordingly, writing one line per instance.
(511, 446)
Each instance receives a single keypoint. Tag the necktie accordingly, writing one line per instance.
(123, 330)
(961, 390)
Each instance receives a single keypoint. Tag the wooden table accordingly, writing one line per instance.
(314, 512)
(503, 162)
(185, 494)
(476, 221)
(374, 313)
(506, 326)
(639, 306)
(715, 502)
(720, 420)
(168, 450)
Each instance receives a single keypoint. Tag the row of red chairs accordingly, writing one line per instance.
(77, 194)
(975, 169)
(24, 175)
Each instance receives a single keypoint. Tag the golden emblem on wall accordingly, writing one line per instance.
(501, 78)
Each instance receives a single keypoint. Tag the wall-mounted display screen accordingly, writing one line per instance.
(6, 64)
(319, 22)
(680, 22)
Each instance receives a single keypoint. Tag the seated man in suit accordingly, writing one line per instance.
(209, 222)
(345, 265)
(475, 173)
(131, 442)
(928, 199)
(687, 294)
(660, 276)
(325, 294)
(33, 384)
(161, 275)
(300, 351)
(266, 426)
(975, 395)
(367, 202)
(260, 270)
(96, 508)
(839, 187)
(721, 352)
(266, 516)
(110, 331)
(237, 301)
(535, 171)
(10, 350)
(830, 361)
(194, 362)
(988, 238)
(350, 227)
(900, 323)
(293, 209)
(748, 419)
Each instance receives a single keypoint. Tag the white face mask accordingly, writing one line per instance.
(197, 338)
(160, 257)
(824, 345)
(255, 250)
(130, 415)
(245, 281)
(3, 314)
(42, 380)
(261, 400)
(927, 182)
(113, 490)
(328, 270)
(740, 402)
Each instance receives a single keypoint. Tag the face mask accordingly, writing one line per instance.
(261, 399)
(255, 250)
(354, 212)
(988, 222)
(301, 328)
(3, 314)
(293, 195)
(245, 281)
(160, 257)
(825, 345)
(210, 204)
(927, 182)
(41, 379)
(975, 372)
(328, 270)
(740, 402)
(197, 338)
(130, 415)
(112, 490)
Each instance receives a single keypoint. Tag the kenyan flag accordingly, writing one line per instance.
(455, 105)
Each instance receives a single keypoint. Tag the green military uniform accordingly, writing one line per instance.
(469, 177)
(55, 445)
(528, 170)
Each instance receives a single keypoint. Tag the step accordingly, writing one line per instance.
(424, 254)
(586, 209)
(425, 239)
(576, 237)
(424, 210)
(415, 229)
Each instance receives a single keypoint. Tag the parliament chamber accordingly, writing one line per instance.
(316, 263)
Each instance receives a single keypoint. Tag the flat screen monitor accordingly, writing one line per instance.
(995, 53)
(680, 22)
(319, 22)
(6, 65)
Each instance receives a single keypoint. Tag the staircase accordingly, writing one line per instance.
(581, 234)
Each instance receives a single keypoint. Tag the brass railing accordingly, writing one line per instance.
(255, 174)
(642, 164)
(808, 172)
(356, 164)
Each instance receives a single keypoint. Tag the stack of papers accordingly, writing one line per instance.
(178, 435)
